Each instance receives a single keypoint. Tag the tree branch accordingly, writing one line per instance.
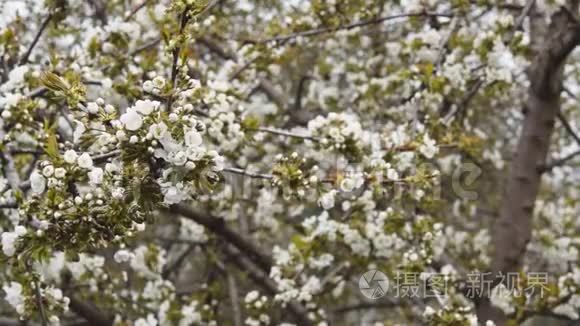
(550, 166)
(217, 225)
(136, 10)
(260, 278)
(362, 23)
(249, 174)
(45, 23)
(177, 50)
(89, 313)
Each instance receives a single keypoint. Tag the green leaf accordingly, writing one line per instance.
(51, 148)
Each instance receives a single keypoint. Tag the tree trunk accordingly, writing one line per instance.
(513, 229)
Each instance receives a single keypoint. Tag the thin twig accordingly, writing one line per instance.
(170, 268)
(324, 30)
(286, 133)
(10, 205)
(136, 10)
(568, 127)
(570, 130)
(40, 304)
(45, 23)
(145, 47)
(37, 92)
(560, 162)
(525, 12)
(249, 174)
(104, 157)
(184, 19)
(245, 66)
(465, 100)
(176, 51)
(443, 46)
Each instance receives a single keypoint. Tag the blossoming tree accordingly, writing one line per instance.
(211, 162)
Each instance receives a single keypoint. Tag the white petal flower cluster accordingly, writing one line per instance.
(192, 231)
(141, 262)
(292, 131)
(14, 296)
(9, 240)
(183, 157)
(133, 119)
(339, 132)
(323, 226)
(327, 200)
(429, 147)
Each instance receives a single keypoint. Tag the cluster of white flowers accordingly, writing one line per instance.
(149, 321)
(289, 291)
(87, 264)
(323, 226)
(192, 231)
(52, 177)
(385, 245)
(340, 132)
(569, 286)
(463, 317)
(14, 296)
(267, 207)
(148, 263)
(263, 319)
(53, 299)
(460, 242)
(501, 297)
(190, 314)
(154, 86)
(186, 156)
(352, 180)
(15, 79)
(556, 243)
(254, 299)
(291, 176)
(321, 262)
(327, 199)
(9, 240)
(223, 126)
(176, 139)
(132, 120)
(429, 147)
(176, 109)
(429, 40)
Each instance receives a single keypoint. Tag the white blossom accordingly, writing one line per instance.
(132, 120)
(14, 296)
(37, 182)
(85, 161)
(96, 176)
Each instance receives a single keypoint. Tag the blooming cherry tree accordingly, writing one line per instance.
(209, 162)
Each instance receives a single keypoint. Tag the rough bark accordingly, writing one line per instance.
(513, 229)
